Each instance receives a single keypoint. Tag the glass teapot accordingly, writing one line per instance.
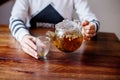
(67, 36)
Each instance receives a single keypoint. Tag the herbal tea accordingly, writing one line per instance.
(68, 43)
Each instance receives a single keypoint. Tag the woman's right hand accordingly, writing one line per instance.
(28, 44)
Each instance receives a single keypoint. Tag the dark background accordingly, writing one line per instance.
(3, 1)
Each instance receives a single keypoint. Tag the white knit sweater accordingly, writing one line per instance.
(24, 10)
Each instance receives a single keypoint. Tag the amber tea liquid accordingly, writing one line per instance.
(68, 44)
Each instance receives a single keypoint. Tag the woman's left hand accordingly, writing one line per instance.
(88, 30)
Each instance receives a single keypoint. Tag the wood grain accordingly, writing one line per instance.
(98, 59)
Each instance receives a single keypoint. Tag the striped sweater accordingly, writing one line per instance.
(25, 10)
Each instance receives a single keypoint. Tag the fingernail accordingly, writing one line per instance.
(36, 57)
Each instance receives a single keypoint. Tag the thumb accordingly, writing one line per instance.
(84, 23)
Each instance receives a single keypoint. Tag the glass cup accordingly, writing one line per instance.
(43, 45)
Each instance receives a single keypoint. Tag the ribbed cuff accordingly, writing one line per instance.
(21, 33)
(97, 24)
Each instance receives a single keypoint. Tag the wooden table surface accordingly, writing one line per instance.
(98, 59)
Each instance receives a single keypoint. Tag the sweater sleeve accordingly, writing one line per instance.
(18, 19)
(84, 13)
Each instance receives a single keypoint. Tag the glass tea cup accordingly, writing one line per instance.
(43, 45)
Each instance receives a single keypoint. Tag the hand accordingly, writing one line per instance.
(88, 30)
(29, 46)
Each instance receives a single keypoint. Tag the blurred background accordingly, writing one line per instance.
(107, 11)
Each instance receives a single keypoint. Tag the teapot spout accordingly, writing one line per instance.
(50, 34)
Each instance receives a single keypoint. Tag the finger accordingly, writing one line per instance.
(30, 51)
(33, 39)
(39, 43)
(43, 45)
(92, 26)
(90, 31)
(90, 35)
(86, 38)
(84, 23)
(31, 44)
(83, 32)
(89, 27)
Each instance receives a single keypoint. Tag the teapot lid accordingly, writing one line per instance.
(67, 25)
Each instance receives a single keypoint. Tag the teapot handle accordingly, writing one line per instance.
(50, 34)
(79, 24)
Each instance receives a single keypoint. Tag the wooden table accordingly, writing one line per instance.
(98, 59)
